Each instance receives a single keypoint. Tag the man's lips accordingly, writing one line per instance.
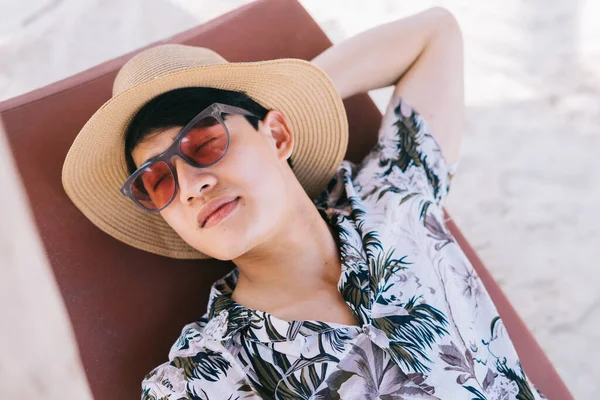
(212, 207)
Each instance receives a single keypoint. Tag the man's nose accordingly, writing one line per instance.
(193, 182)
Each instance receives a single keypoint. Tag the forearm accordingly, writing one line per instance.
(380, 56)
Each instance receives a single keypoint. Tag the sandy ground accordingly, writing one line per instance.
(528, 185)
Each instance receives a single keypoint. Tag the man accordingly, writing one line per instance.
(347, 283)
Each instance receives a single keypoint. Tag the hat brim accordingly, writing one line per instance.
(95, 167)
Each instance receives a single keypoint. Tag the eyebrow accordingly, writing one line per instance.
(154, 155)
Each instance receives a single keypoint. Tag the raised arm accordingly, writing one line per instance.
(422, 55)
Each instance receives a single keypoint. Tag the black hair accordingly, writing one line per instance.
(177, 107)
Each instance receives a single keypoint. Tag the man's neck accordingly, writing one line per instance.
(297, 264)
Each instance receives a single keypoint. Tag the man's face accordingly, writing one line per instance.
(254, 169)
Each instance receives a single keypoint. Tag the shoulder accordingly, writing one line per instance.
(195, 363)
(163, 382)
(407, 159)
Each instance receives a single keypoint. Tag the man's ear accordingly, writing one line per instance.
(281, 133)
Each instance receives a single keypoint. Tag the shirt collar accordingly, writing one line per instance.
(257, 325)
(220, 305)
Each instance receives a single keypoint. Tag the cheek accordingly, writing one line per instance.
(252, 174)
(180, 222)
(261, 184)
(254, 171)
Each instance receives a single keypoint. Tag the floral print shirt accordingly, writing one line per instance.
(428, 328)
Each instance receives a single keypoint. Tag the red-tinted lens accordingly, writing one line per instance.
(204, 142)
(155, 186)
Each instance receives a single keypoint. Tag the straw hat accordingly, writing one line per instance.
(95, 167)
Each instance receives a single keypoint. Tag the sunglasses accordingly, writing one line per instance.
(201, 143)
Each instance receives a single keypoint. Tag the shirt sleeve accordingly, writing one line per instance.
(199, 366)
(164, 382)
(407, 159)
(169, 380)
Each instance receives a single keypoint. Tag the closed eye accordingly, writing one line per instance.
(162, 178)
(204, 144)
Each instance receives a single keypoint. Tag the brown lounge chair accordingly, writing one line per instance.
(127, 306)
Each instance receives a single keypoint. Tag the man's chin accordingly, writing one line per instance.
(218, 252)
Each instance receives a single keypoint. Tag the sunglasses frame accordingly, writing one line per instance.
(215, 110)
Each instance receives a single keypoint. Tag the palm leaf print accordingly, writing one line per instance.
(244, 386)
(272, 332)
(382, 268)
(336, 221)
(355, 290)
(477, 393)
(337, 338)
(146, 395)
(524, 389)
(310, 379)
(407, 132)
(334, 337)
(278, 379)
(432, 178)
(413, 333)
(390, 188)
(207, 364)
(370, 239)
(371, 243)
(268, 374)
(367, 372)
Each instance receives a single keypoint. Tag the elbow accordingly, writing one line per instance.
(446, 33)
(446, 23)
